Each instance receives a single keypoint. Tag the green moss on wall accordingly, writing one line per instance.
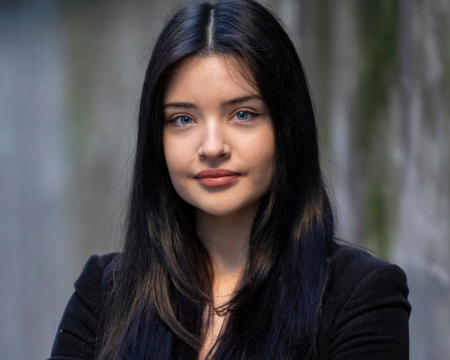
(377, 30)
(378, 22)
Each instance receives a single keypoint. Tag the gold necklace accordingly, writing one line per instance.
(221, 311)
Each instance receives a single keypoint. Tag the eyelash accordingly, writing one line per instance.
(173, 121)
(252, 114)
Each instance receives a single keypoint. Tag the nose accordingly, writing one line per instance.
(213, 143)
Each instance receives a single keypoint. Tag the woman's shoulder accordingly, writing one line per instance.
(354, 270)
(97, 272)
(346, 256)
(365, 300)
(78, 330)
(95, 281)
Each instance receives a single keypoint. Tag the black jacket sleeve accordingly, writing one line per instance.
(373, 322)
(76, 337)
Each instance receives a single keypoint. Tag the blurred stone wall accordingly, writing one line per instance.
(381, 74)
(70, 77)
(37, 237)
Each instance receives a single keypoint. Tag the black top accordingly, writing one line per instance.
(365, 310)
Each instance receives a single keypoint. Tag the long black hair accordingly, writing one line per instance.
(162, 285)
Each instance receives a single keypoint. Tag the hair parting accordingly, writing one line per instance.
(209, 45)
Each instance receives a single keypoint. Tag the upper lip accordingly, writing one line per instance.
(216, 173)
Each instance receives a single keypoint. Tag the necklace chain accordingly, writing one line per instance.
(220, 312)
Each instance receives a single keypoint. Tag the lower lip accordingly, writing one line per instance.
(219, 181)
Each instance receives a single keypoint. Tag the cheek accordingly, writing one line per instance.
(177, 165)
(263, 149)
(173, 152)
(176, 168)
(261, 159)
(178, 177)
(172, 160)
(268, 159)
(267, 167)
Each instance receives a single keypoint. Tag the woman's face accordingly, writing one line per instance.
(219, 140)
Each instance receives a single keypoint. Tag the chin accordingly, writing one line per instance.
(224, 209)
(217, 211)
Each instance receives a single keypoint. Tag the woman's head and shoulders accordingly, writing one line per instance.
(226, 135)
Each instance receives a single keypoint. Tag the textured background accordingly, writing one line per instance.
(70, 78)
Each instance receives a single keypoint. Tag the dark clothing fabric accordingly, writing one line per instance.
(365, 310)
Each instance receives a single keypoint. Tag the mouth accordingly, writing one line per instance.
(216, 177)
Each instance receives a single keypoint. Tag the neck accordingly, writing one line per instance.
(226, 238)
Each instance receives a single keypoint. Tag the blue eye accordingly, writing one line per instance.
(242, 115)
(245, 115)
(182, 120)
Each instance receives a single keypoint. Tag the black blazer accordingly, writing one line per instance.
(365, 312)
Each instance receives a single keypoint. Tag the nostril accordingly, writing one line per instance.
(214, 150)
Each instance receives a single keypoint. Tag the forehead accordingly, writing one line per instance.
(211, 76)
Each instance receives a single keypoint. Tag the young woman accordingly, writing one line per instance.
(229, 252)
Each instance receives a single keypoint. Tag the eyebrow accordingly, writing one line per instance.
(188, 105)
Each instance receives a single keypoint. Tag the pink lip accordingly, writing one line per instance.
(217, 177)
